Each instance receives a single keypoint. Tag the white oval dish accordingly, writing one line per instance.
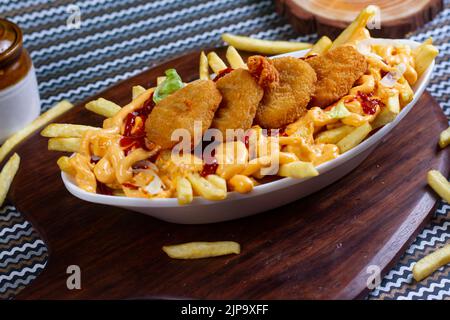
(263, 197)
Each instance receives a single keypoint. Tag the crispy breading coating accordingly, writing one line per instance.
(241, 95)
(337, 70)
(286, 101)
(198, 101)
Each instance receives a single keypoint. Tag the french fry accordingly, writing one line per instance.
(423, 56)
(65, 166)
(263, 46)
(334, 135)
(205, 188)
(320, 47)
(185, 193)
(136, 91)
(215, 62)
(103, 107)
(64, 144)
(64, 130)
(160, 80)
(7, 175)
(40, 121)
(287, 157)
(356, 26)
(203, 67)
(217, 181)
(444, 138)
(198, 250)
(235, 59)
(354, 138)
(388, 113)
(241, 183)
(406, 92)
(298, 170)
(426, 266)
(439, 184)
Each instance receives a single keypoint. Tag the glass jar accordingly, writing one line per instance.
(19, 95)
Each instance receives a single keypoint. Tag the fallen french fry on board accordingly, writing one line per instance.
(439, 184)
(40, 121)
(426, 266)
(444, 138)
(263, 46)
(198, 250)
(7, 176)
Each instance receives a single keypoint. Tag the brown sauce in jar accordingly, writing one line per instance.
(14, 59)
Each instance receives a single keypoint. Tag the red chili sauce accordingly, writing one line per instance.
(134, 134)
(210, 164)
(368, 103)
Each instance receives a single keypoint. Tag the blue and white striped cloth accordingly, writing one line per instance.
(118, 39)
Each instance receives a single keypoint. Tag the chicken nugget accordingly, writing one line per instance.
(198, 101)
(286, 100)
(337, 70)
(241, 95)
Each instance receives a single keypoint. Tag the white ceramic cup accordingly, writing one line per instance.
(19, 105)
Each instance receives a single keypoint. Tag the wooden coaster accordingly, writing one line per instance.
(398, 17)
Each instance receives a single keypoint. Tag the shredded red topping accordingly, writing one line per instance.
(209, 168)
(211, 164)
(368, 103)
(383, 73)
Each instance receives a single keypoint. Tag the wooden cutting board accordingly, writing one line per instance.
(316, 248)
(397, 18)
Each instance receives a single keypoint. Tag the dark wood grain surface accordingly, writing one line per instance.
(316, 248)
(398, 17)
